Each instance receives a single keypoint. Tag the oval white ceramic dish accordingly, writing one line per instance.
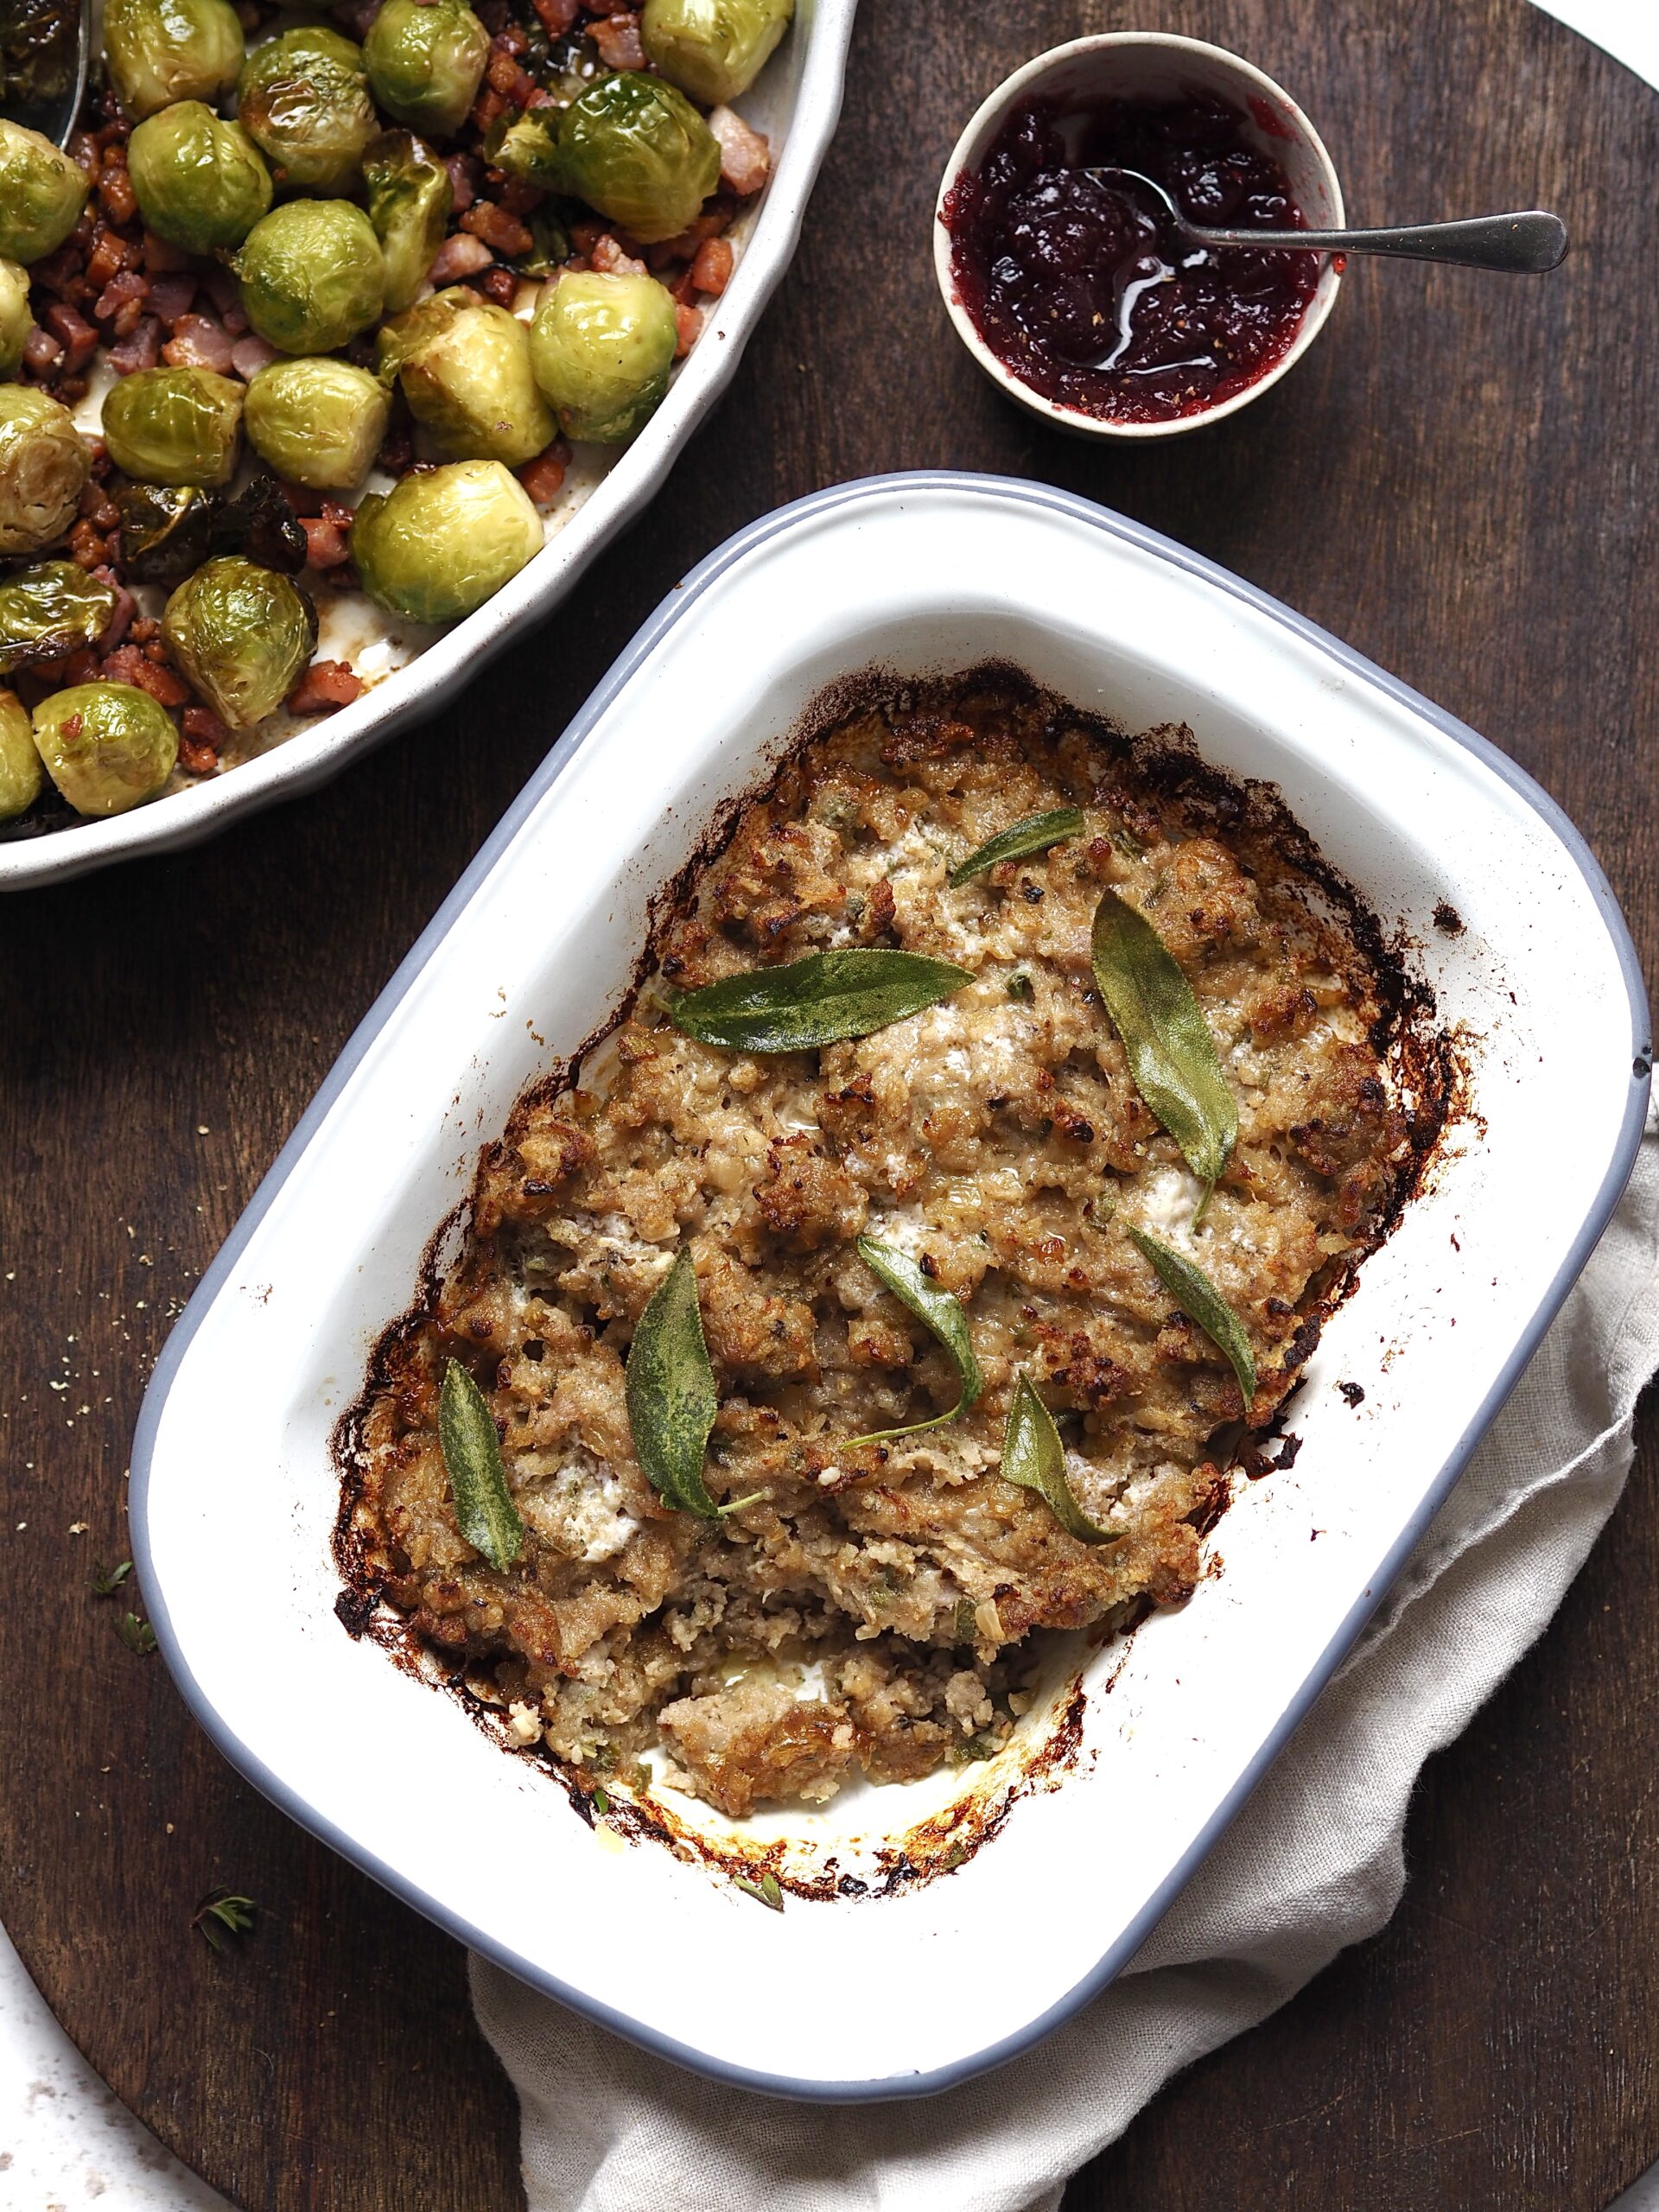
(1149, 65)
(795, 101)
(234, 1491)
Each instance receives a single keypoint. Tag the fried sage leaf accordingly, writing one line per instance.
(1171, 1053)
(671, 1391)
(817, 1001)
(938, 1312)
(1034, 835)
(1033, 1456)
(1200, 1300)
(485, 1514)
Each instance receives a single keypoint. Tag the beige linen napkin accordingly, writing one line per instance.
(1314, 1863)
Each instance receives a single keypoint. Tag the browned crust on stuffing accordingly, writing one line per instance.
(908, 1575)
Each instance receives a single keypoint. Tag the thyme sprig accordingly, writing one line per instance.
(223, 1917)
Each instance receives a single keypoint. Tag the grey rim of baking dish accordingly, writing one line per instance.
(674, 609)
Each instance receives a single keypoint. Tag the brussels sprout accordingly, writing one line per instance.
(304, 99)
(527, 147)
(601, 347)
(464, 365)
(158, 50)
(41, 194)
(49, 610)
(165, 529)
(106, 746)
(638, 151)
(44, 466)
(174, 426)
(169, 529)
(200, 183)
(425, 60)
(317, 421)
(312, 276)
(440, 543)
(713, 49)
(260, 523)
(16, 319)
(409, 197)
(550, 244)
(242, 634)
(21, 773)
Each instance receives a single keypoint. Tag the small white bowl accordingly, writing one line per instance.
(1150, 66)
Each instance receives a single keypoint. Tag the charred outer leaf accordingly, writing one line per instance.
(168, 530)
(38, 39)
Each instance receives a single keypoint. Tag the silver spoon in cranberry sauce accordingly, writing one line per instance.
(1527, 243)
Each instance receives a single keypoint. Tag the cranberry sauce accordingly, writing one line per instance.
(1081, 289)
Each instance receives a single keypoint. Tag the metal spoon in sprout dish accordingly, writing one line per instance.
(1527, 243)
(44, 45)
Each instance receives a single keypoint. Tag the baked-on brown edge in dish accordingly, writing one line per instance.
(1427, 1077)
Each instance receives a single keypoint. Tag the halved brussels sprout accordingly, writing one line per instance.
(174, 426)
(638, 151)
(17, 317)
(304, 98)
(107, 746)
(550, 244)
(20, 772)
(260, 522)
(409, 197)
(713, 49)
(41, 194)
(44, 466)
(601, 347)
(200, 184)
(464, 365)
(440, 543)
(317, 421)
(425, 60)
(312, 276)
(158, 50)
(48, 611)
(527, 146)
(242, 634)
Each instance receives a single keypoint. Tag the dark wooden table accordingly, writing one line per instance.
(1460, 479)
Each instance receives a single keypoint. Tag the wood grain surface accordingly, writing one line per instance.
(1460, 480)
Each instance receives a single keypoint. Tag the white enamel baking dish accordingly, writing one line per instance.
(234, 1494)
(795, 101)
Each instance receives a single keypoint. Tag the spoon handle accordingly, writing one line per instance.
(1531, 242)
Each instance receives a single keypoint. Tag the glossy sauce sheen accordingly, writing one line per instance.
(1081, 289)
